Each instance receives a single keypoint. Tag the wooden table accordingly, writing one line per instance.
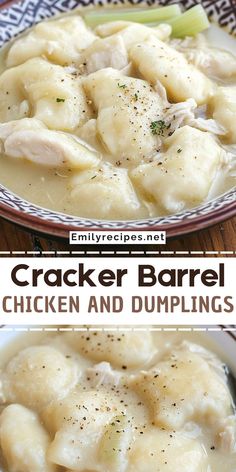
(218, 238)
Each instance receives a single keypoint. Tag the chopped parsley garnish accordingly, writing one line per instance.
(158, 127)
(59, 100)
(123, 86)
(136, 97)
(179, 150)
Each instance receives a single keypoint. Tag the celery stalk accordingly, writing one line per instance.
(190, 23)
(150, 15)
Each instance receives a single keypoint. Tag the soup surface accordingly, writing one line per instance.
(95, 401)
(122, 121)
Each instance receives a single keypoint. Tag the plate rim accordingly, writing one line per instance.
(61, 230)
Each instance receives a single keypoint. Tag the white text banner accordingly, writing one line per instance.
(137, 291)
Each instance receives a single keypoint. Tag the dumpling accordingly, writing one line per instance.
(79, 422)
(157, 61)
(182, 388)
(89, 447)
(182, 176)
(223, 107)
(126, 107)
(72, 409)
(45, 91)
(60, 41)
(158, 450)
(30, 139)
(132, 33)
(122, 349)
(136, 33)
(115, 444)
(106, 192)
(24, 441)
(111, 27)
(38, 375)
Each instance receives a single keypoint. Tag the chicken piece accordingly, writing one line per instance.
(44, 91)
(112, 51)
(183, 388)
(157, 60)
(213, 62)
(108, 52)
(123, 349)
(226, 434)
(106, 192)
(102, 374)
(88, 133)
(175, 116)
(126, 107)
(157, 450)
(28, 138)
(223, 107)
(132, 33)
(10, 127)
(182, 176)
(38, 375)
(210, 125)
(183, 113)
(24, 441)
(60, 41)
(79, 422)
(189, 42)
